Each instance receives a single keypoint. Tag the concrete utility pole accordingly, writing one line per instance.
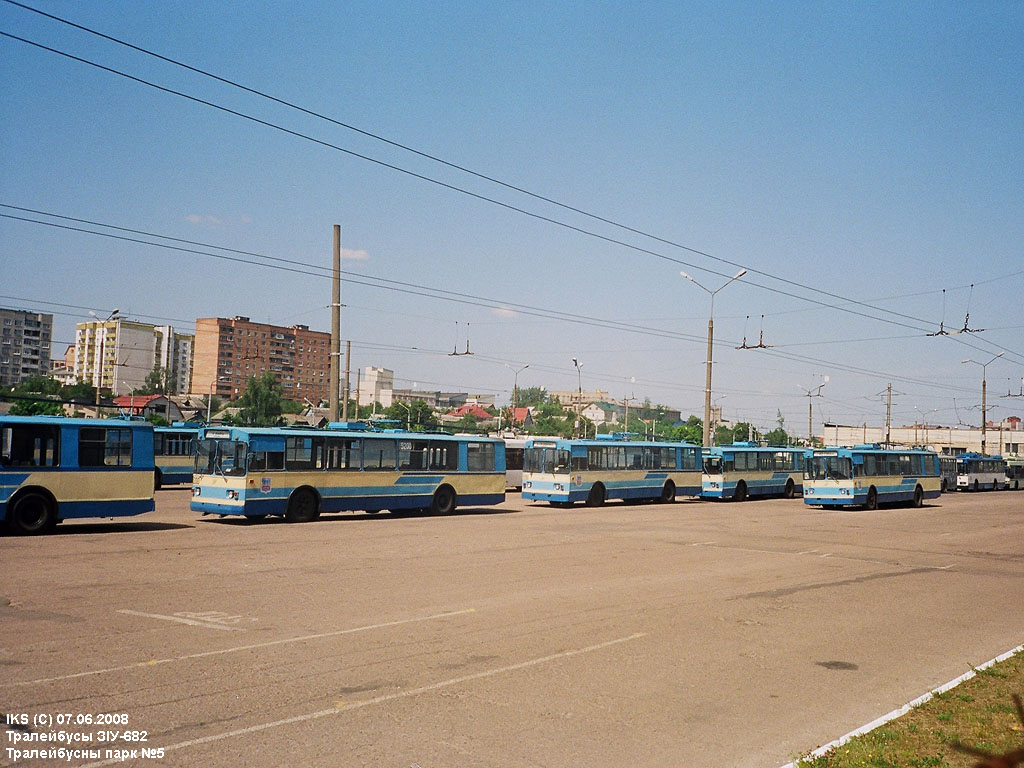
(359, 372)
(984, 403)
(335, 376)
(711, 336)
(888, 416)
(348, 362)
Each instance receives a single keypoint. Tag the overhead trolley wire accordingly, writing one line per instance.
(485, 177)
(453, 187)
(468, 299)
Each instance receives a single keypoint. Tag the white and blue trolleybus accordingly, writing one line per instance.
(978, 472)
(868, 475)
(745, 470)
(564, 472)
(54, 469)
(298, 473)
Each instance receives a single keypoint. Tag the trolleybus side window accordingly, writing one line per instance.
(344, 453)
(30, 445)
(304, 453)
(266, 461)
(104, 447)
(480, 457)
(379, 454)
(690, 458)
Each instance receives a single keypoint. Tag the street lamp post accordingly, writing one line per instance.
(408, 414)
(579, 396)
(209, 403)
(515, 389)
(99, 364)
(711, 335)
(984, 415)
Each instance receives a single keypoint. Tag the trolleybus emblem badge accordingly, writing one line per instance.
(264, 485)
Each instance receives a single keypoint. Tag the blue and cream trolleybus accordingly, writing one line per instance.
(868, 475)
(54, 469)
(563, 472)
(745, 470)
(298, 473)
(978, 472)
(174, 450)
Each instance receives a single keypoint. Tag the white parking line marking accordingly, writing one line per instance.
(268, 644)
(381, 699)
(183, 620)
(906, 707)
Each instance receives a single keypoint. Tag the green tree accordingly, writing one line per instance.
(81, 391)
(778, 436)
(42, 385)
(723, 435)
(468, 423)
(154, 384)
(260, 403)
(34, 407)
(527, 397)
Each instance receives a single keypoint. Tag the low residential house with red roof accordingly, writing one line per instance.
(483, 417)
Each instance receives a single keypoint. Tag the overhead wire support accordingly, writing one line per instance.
(760, 343)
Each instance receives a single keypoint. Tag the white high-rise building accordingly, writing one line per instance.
(117, 355)
(376, 385)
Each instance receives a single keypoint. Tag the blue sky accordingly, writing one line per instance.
(871, 151)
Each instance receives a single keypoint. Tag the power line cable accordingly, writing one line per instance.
(485, 198)
(403, 287)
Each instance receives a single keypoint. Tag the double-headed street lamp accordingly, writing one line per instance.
(984, 416)
(515, 388)
(711, 335)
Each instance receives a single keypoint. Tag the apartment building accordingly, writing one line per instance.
(117, 355)
(229, 351)
(174, 355)
(24, 345)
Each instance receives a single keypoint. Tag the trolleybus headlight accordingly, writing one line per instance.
(196, 490)
(233, 495)
(810, 491)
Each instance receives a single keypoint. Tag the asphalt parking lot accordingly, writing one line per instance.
(696, 633)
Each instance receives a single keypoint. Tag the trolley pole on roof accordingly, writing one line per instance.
(335, 375)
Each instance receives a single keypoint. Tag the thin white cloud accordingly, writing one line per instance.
(504, 312)
(354, 255)
(207, 220)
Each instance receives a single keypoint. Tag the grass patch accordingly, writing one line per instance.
(979, 713)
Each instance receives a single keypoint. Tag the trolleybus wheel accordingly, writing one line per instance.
(303, 507)
(790, 489)
(444, 501)
(31, 513)
(872, 502)
(157, 480)
(668, 492)
(918, 496)
(741, 492)
(596, 496)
